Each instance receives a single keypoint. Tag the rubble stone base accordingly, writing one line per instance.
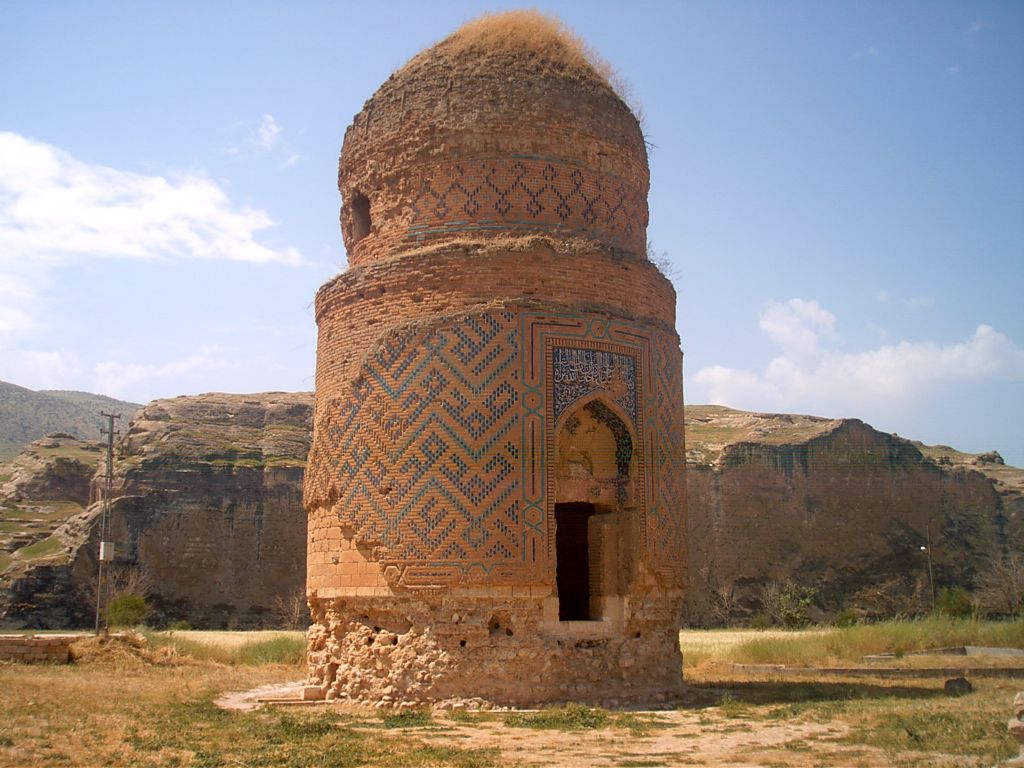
(400, 651)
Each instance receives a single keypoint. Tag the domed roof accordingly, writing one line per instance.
(508, 126)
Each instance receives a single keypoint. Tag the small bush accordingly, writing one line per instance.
(412, 718)
(279, 650)
(127, 611)
(955, 602)
(571, 717)
(180, 626)
(845, 618)
(760, 621)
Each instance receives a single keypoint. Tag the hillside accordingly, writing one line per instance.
(867, 519)
(208, 505)
(27, 415)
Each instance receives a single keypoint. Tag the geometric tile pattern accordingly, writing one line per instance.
(424, 454)
(654, 365)
(666, 519)
(441, 458)
(525, 193)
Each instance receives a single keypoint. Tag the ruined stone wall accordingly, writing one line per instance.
(28, 649)
(494, 641)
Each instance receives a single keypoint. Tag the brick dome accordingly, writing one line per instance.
(505, 127)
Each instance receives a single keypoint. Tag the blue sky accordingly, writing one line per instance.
(838, 187)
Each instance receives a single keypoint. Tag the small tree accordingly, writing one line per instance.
(788, 604)
(292, 611)
(127, 611)
(955, 602)
(1000, 584)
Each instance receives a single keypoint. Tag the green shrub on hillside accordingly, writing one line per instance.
(955, 602)
(127, 611)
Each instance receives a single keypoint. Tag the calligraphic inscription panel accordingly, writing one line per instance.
(576, 372)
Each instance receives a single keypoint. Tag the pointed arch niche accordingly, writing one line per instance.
(595, 515)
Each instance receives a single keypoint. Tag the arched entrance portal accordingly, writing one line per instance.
(594, 478)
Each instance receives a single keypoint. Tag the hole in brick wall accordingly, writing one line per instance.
(462, 643)
(394, 640)
(361, 222)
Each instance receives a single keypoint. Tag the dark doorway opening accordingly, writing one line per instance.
(572, 560)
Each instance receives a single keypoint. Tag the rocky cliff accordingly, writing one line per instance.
(869, 520)
(46, 484)
(207, 514)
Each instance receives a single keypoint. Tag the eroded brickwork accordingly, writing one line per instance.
(500, 356)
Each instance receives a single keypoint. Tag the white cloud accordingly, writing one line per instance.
(953, 69)
(53, 207)
(118, 379)
(56, 210)
(263, 137)
(974, 30)
(797, 326)
(268, 132)
(813, 374)
(882, 297)
(921, 302)
(39, 369)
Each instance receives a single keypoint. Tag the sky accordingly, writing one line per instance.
(837, 192)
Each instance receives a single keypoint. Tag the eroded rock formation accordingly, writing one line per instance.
(206, 515)
(857, 514)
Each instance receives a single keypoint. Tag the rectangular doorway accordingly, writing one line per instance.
(572, 560)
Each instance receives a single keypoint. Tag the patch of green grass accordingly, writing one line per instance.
(471, 716)
(571, 717)
(48, 547)
(957, 727)
(411, 718)
(289, 650)
(733, 707)
(853, 643)
(288, 738)
(5, 560)
(639, 724)
(280, 650)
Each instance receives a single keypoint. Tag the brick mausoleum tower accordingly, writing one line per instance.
(495, 490)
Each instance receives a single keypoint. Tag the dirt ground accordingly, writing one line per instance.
(682, 738)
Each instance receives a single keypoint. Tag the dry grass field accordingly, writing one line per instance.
(152, 704)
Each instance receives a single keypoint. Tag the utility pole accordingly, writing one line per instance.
(106, 547)
(931, 570)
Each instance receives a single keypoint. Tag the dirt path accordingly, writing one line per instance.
(682, 738)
